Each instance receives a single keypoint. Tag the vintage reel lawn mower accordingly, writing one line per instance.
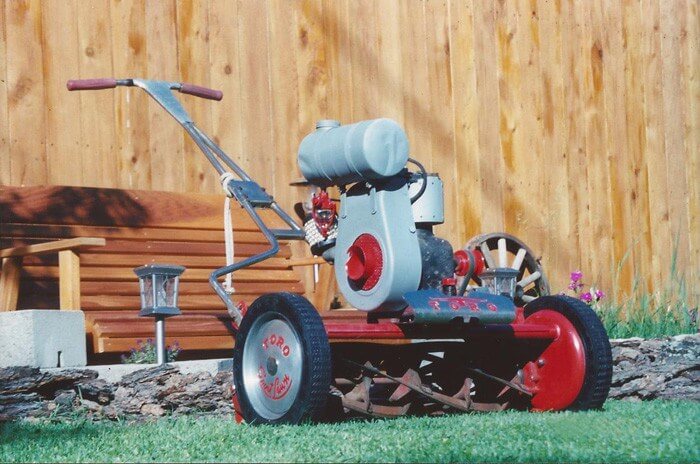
(442, 330)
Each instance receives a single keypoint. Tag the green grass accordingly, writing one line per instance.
(624, 431)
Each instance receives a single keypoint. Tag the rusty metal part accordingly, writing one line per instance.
(358, 399)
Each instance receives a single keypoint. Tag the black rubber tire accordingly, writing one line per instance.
(310, 402)
(598, 376)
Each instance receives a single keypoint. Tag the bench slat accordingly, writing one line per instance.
(127, 233)
(191, 262)
(127, 274)
(123, 208)
(79, 243)
(166, 248)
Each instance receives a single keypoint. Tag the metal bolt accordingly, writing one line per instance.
(540, 362)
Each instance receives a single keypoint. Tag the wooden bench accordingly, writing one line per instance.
(138, 227)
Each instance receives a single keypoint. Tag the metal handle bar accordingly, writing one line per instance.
(246, 191)
(110, 83)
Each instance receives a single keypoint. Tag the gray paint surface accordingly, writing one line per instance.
(382, 209)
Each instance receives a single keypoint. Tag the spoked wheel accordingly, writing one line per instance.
(281, 361)
(504, 250)
(574, 371)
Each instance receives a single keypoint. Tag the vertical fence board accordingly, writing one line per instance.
(255, 91)
(558, 250)
(467, 221)
(97, 135)
(60, 63)
(194, 66)
(165, 136)
(129, 60)
(490, 174)
(675, 107)
(25, 93)
(691, 68)
(4, 134)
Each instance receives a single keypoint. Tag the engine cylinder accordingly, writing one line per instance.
(340, 155)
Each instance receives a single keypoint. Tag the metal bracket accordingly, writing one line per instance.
(252, 192)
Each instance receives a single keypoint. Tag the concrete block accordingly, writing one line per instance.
(42, 338)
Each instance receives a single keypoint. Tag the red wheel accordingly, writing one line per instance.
(575, 370)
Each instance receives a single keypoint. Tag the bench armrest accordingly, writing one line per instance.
(78, 243)
(68, 268)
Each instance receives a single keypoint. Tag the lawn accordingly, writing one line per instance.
(624, 431)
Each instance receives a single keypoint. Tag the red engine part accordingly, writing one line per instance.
(556, 376)
(469, 262)
(323, 212)
(365, 262)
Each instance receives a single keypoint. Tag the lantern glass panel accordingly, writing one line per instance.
(165, 290)
(146, 292)
(500, 281)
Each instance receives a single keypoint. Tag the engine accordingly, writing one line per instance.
(380, 240)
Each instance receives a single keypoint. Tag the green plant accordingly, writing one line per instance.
(666, 311)
(145, 353)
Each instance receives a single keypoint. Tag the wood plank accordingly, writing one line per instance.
(58, 245)
(616, 141)
(111, 345)
(193, 60)
(675, 96)
(225, 75)
(186, 288)
(655, 160)
(60, 63)
(437, 23)
(97, 141)
(637, 198)
(150, 248)
(338, 48)
(185, 302)
(363, 33)
(466, 120)
(9, 283)
(491, 168)
(129, 60)
(127, 274)
(576, 68)
(415, 80)
(127, 233)
(557, 250)
(133, 260)
(25, 93)
(257, 140)
(69, 279)
(166, 143)
(173, 328)
(691, 73)
(5, 168)
(598, 179)
(511, 125)
(128, 208)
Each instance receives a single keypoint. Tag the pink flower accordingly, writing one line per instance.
(576, 276)
(587, 297)
(599, 295)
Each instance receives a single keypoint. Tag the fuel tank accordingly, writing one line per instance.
(341, 155)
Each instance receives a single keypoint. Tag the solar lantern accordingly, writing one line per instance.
(500, 281)
(159, 289)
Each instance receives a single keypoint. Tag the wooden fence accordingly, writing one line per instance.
(572, 124)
